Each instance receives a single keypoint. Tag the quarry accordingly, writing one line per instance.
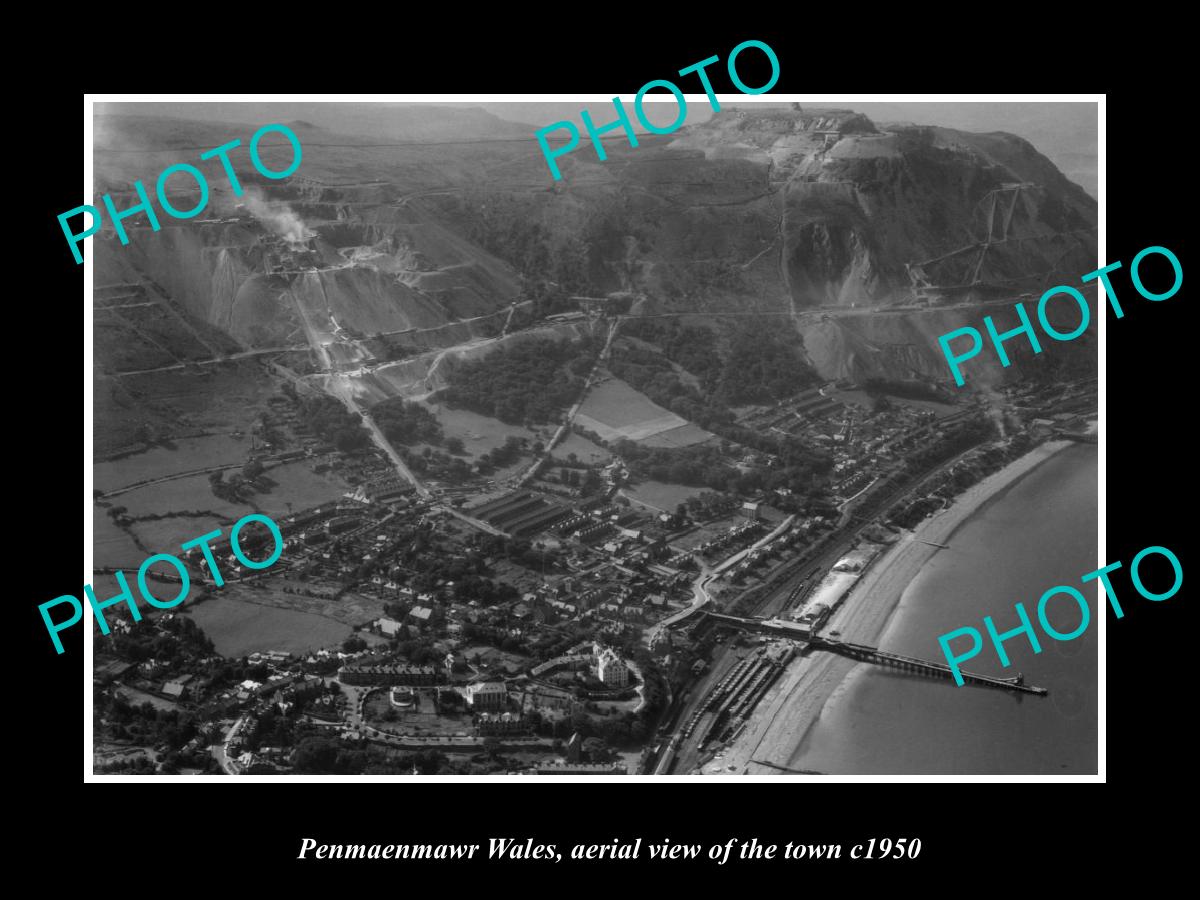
(146, 208)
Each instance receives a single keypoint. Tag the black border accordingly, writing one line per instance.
(976, 830)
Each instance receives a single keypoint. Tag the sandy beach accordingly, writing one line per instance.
(794, 703)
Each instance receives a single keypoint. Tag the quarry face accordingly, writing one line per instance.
(775, 211)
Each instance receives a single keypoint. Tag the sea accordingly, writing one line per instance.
(1038, 533)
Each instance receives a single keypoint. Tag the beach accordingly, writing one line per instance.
(794, 703)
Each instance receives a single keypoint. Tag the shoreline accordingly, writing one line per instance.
(789, 710)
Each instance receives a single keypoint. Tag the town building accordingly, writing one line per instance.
(388, 674)
(612, 670)
(388, 626)
(487, 695)
(499, 723)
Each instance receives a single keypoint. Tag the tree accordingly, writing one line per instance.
(316, 755)
(591, 482)
(595, 750)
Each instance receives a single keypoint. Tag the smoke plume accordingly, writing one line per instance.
(277, 216)
(995, 408)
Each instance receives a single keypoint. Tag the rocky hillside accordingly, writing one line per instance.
(810, 216)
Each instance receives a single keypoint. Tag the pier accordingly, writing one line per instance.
(915, 666)
(862, 653)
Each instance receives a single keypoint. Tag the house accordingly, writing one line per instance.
(388, 674)
(387, 626)
(612, 669)
(178, 688)
(111, 670)
(487, 695)
(499, 723)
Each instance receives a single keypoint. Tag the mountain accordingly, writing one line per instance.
(863, 240)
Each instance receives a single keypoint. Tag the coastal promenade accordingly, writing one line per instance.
(794, 703)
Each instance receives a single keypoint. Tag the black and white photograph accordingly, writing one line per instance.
(716, 437)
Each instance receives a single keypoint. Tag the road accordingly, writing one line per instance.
(700, 599)
(700, 595)
(385, 445)
(601, 358)
(221, 750)
(243, 354)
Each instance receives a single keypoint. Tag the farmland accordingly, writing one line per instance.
(238, 628)
(111, 545)
(193, 492)
(615, 411)
(183, 455)
(683, 436)
(660, 496)
(299, 487)
(168, 534)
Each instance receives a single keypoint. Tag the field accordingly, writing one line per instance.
(683, 436)
(300, 487)
(112, 546)
(238, 628)
(220, 398)
(480, 434)
(297, 487)
(583, 449)
(660, 496)
(168, 535)
(188, 455)
(615, 411)
(192, 492)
